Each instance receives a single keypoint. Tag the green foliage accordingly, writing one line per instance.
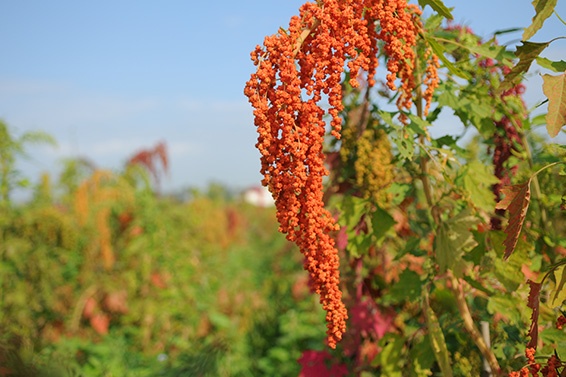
(437, 340)
(99, 276)
(527, 53)
(438, 6)
(204, 287)
(10, 148)
(467, 233)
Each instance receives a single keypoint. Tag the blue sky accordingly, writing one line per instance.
(107, 78)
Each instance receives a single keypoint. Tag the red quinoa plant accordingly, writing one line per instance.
(415, 240)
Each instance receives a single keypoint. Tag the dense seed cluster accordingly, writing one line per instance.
(297, 70)
(373, 166)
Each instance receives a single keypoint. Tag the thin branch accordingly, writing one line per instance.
(472, 330)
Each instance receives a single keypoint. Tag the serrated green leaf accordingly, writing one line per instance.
(381, 222)
(554, 88)
(438, 6)
(398, 191)
(452, 238)
(418, 125)
(386, 117)
(477, 180)
(405, 145)
(400, 136)
(559, 66)
(439, 51)
(437, 340)
(526, 53)
(447, 96)
(543, 9)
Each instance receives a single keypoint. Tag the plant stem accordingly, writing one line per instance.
(536, 185)
(455, 286)
(472, 330)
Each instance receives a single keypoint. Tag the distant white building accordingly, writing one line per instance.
(258, 196)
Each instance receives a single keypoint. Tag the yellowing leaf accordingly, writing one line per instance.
(516, 201)
(559, 293)
(544, 9)
(554, 87)
(437, 340)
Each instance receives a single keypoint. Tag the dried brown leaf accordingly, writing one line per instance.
(516, 201)
(554, 87)
(533, 303)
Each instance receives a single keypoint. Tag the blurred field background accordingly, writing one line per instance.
(102, 276)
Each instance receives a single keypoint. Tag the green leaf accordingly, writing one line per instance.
(437, 340)
(448, 95)
(404, 142)
(452, 238)
(422, 358)
(508, 272)
(381, 222)
(559, 66)
(554, 87)
(559, 292)
(358, 244)
(353, 209)
(505, 305)
(399, 192)
(400, 136)
(526, 53)
(477, 179)
(506, 31)
(439, 51)
(544, 9)
(489, 50)
(438, 6)
(418, 125)
(389, 359)
(408, 288)
(553, 336)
